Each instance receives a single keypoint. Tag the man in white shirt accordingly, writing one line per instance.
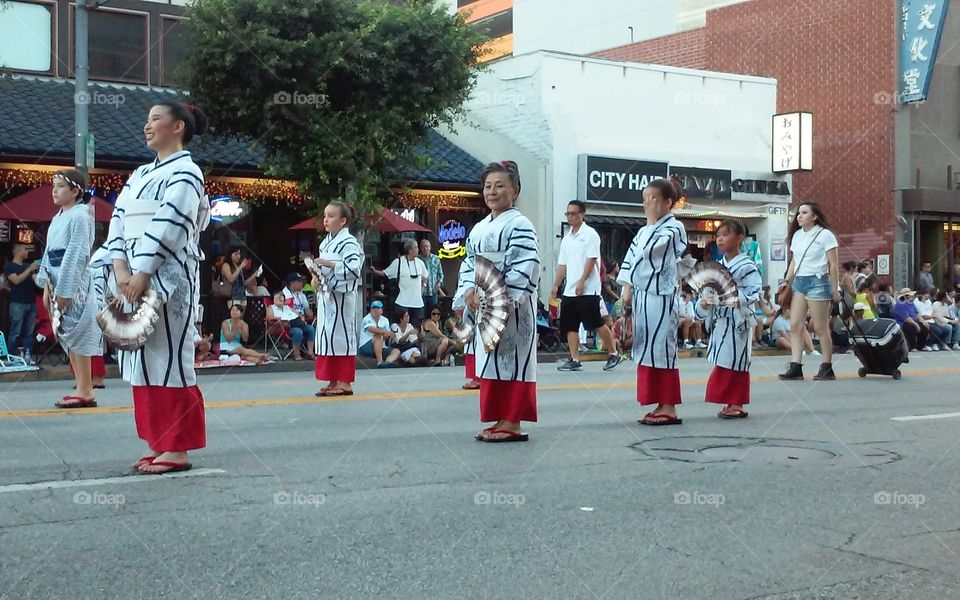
(294, 292)
(579, 263)
(375, 334)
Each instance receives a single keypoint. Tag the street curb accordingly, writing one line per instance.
(62, 372)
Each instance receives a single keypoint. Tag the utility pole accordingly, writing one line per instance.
(81, 96)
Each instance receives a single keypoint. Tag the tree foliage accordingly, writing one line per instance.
(336, 91)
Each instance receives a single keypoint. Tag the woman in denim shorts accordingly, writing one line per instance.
(815, 279)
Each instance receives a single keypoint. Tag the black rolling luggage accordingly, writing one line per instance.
(880, 345)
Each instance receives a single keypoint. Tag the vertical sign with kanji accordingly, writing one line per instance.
(792, 142)
(921, 24)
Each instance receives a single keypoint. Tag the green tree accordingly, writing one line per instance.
(335, 91)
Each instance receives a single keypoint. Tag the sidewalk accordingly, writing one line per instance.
(62, 372)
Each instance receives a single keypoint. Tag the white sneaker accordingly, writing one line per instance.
(927, 349)
(688, 345)
(700, 344)
(812, 353)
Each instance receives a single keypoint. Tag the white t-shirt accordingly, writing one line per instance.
(815, 262)
(368, 321)
(300, 302)
(283, 312)
(408, 274)
(575, 250)
(924, 308)
(779, 327)
(685, 309)
(401, 334)
(941, 312)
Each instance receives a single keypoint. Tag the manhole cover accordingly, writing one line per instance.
(761, 453)
(721, 449)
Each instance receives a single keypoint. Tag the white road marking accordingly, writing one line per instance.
(47, 485)
(926, 417)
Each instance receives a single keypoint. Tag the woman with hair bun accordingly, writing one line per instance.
(67, 283)
(341, 264)
(649, 277)
(154, 243)
(508, 372)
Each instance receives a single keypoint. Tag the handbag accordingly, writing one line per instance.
(785, 297)
(221, 289)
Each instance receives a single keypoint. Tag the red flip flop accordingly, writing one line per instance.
(173, 467)
(338, 392)
(76, 402)
(515, 436)
(323, 391)
(143, 460)
(732, 414)
(479, 436)
(659, 419)
(471, 385)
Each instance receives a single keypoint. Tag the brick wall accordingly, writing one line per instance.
(685, 49)
(834, 58)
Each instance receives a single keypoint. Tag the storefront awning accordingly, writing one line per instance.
(36, 206)
(605, 220)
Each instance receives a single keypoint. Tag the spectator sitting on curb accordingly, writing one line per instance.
(375, 335)
(405, 336)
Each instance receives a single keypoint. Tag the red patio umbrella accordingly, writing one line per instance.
(386, 222)
(36, 206)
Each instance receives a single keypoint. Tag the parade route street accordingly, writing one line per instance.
(820, 493)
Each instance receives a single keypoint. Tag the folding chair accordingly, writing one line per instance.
(276, 340)
(7, 360)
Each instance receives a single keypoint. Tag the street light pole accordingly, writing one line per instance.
(81, 94)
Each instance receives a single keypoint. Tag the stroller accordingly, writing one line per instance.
(548, 336)
(879, 345)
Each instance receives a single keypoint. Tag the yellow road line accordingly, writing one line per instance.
(100, 410)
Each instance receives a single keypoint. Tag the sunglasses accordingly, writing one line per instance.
(570, 214)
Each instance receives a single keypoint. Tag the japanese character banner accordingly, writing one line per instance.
(921, 23)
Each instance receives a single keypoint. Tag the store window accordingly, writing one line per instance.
(172, 50)
(26, 37)
(118, 45)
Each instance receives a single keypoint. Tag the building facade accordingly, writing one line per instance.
(884, 171)
(597, 130)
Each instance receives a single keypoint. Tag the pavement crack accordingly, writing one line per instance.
(879, 558)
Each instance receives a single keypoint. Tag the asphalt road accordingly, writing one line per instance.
(818, 494)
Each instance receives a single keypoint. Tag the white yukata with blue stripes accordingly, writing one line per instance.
(510, 243)
(64, 267)
(155, 228)
(336, 326)
(731, 328)
(650, 266)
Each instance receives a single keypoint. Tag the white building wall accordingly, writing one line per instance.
(550, 108)
(582, 27)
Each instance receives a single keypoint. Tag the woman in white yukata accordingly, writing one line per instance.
(649, 277)
(341, 262)
(154, 243)
(64, 274)
(731, 327)
(508, 373)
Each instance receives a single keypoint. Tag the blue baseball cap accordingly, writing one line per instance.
(294, 277)
(376, 304)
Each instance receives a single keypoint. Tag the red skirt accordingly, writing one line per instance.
(658, 386)
(170, 419)
(336, 368)
(726, 386)
(98, 367)
(512, 401)
(470, 365)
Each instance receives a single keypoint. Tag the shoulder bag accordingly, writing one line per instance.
(785, 296)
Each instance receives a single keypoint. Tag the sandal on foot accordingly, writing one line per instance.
(338, 392)
(479, 436)
(732, 414)
(657, 419)
(514, 436)
(323, 391)
(172, 467)
(470, 385)
(144, 460)
(76, 402)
